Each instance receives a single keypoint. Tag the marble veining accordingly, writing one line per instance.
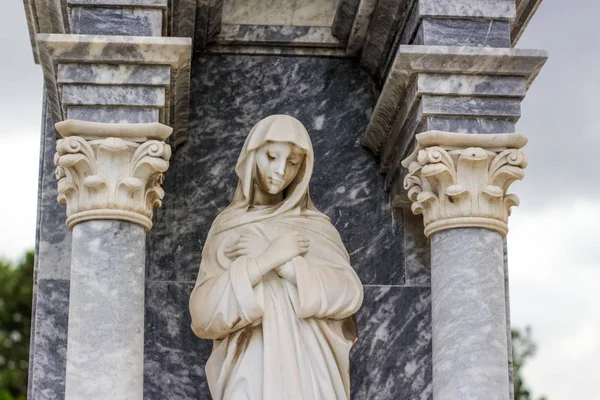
(116, 21)
(119, 115)
(392, 358)
(114, 74)
(382, 28)
(103, 49)
(500, 9)
(117, 95)
(287, 12)
(332, 98)
(174, 358)
(360, 26)
(468, 315)
(106, 311)
(443, 59)
(458, 32)
(276, 35)
(344, 18)
(48, 353)
(129, 3)
(417, 250)
(54, 238)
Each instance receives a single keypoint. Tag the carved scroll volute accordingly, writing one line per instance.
(464, 187)
(111, 178)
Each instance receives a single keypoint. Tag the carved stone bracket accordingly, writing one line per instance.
(460, 180)
(111, 171)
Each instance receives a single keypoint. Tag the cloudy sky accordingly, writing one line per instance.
(554, 247)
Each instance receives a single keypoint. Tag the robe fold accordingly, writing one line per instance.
(287, 337)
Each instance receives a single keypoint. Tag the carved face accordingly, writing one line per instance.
(277, 164)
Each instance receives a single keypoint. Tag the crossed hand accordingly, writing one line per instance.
(275, 253)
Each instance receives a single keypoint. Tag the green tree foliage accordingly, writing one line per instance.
(523, 349)
(16, 288)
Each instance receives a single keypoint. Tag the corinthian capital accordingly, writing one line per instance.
(111, 171)
(459, 180)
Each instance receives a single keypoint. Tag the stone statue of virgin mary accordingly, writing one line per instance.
(276, 292)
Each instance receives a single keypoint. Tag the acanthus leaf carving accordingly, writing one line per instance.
(110, 178)
(464, 187)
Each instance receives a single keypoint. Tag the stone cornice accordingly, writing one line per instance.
(411, 60)
(61, 49)
(460, 180)
(105, 175)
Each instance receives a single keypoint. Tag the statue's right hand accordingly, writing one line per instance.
(285, 248)
(291, 244)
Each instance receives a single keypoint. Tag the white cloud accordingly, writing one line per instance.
(555, 287)
(19, 166)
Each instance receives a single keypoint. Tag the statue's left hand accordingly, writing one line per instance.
(247, 246)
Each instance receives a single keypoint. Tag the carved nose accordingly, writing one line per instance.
(280, 169)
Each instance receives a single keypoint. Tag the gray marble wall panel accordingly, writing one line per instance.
(51, 283)
(116, 21)
(463, 32)
(417, 249)
(470, 125)
(114, 114)
(174, 357)
(230, 94)
(392, 358)
(113, 95)
(54, 238)
(49, 342)
(114, 74)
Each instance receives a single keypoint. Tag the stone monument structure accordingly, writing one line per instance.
(275, 290)
(412, 107)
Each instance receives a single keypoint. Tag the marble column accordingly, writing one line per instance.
(458, 182)
(109, 179)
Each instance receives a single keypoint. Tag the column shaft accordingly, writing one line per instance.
(105, 351)
(468, 315)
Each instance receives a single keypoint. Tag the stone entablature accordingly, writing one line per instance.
(459, 180)
(111, 171)
(118, 79)
(446, 88)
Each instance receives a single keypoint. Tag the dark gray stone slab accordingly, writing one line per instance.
(471, 106)
(114, 114)
(49, 343)
(174, 358)
(470, 125)
(384, 25)
(273, 35)
(116, 95)
(116, 21)
(463, 32)
(230, 94)
(392, 358)
(417, 248)
(53, 256)
(114, 74)
(344, 18)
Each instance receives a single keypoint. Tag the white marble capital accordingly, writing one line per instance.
(111, 171)
(460, 180)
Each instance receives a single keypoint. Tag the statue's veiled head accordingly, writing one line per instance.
(277, 157)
